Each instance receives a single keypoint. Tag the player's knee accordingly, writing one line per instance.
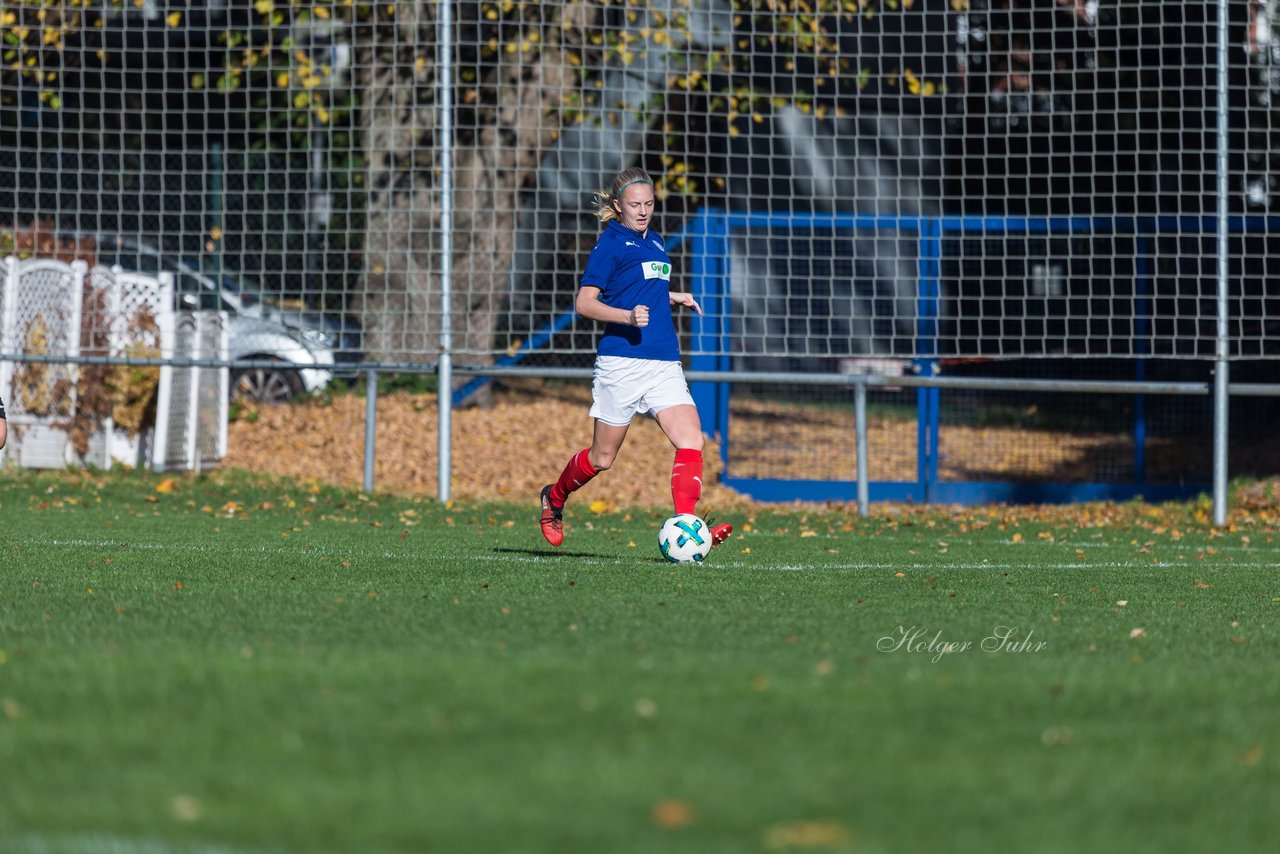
(692, 443)
(602, 461)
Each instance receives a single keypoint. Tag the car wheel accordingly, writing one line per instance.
(266, 385)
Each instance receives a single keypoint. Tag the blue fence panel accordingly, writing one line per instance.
(712, 230)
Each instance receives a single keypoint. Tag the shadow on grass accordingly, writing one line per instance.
(555, 553)
(657, 561)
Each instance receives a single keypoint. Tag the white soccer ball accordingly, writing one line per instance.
(684, 538)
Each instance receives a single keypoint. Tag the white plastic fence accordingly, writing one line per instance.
(191, 410)
(57, 309)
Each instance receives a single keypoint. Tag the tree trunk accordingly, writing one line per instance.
(399, 301)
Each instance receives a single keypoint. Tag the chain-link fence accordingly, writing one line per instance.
(920, 189)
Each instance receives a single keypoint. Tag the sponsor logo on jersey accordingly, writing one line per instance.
(656, 270)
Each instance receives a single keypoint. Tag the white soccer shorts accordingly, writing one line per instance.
(623, 387)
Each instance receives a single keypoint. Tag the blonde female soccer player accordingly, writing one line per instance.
(626, 286)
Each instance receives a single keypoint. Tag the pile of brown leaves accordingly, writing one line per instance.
(507, 452)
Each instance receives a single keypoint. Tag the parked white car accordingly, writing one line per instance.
(306, 344)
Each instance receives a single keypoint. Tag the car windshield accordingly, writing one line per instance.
(249, 294)
(129, 259)
(245, 293)
(145, 259)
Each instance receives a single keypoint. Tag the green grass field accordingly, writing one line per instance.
(226, 664)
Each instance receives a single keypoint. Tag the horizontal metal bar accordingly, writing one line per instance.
(514, 371)
(997, 225)
(739, 377)
(880, 380)
(1253, 389)
(235, 364)
(1011, 384)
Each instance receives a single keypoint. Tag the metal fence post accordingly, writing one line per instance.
(370, 425)
(1141, 330)
(928, 399)
(1221, 343)
(709, 253)
(216, 205)
(860, 430)
(444, 389)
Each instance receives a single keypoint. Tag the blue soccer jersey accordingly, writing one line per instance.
(631, 270)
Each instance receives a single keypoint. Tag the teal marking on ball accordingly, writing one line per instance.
(691, 532)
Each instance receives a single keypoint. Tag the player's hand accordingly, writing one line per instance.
(686, 300)
(640, 315)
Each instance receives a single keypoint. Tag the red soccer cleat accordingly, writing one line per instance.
(552, 526)
(720, 533)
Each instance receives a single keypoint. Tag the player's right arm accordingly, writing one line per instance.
(588, 305)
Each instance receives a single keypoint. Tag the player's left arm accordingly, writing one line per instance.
(684, 299)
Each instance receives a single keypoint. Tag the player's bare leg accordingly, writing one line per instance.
(606, 442)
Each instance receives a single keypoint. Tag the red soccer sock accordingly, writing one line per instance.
(575, 475)
(686, 479)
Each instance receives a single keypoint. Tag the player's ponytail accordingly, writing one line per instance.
(603, 200)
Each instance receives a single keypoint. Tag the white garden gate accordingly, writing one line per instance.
(172, 416)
